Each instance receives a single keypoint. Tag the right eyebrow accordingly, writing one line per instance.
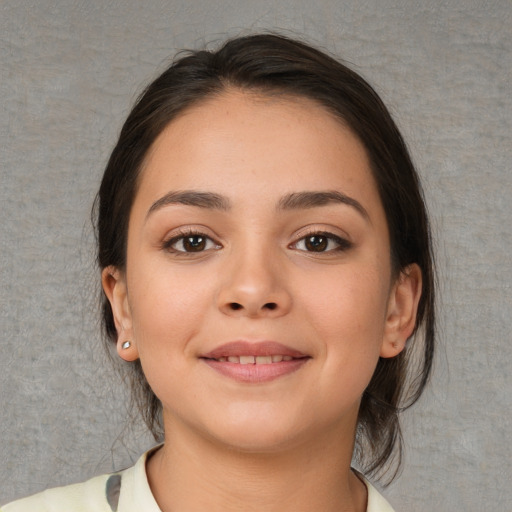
(207, 200)
(314, 199)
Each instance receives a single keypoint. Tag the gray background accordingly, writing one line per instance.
(70, 71)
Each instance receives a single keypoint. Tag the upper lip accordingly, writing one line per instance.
(247, 348)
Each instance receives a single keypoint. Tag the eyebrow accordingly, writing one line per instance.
(207, 200)
(300, 200)
(292, 201)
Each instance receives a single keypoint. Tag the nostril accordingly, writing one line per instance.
(270, 305)
(235, 306)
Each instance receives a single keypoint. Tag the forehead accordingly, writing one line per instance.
(244, 133)
(254, 151)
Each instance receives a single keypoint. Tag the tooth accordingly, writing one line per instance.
(233, 359)
(287, 358)
(277, 359)
(247, 360)
(222, 359)
(263, 359)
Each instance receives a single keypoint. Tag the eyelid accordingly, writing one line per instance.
(343, 241)
(192, 229)
(184, 232)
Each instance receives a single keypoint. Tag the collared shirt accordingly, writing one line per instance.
(126, 491)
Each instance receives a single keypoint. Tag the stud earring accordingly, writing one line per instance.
(126, 345)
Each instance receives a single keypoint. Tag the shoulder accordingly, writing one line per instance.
(89, 496)
(376, 502)
(125, 491)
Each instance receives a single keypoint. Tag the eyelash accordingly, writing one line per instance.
(342, 244)
(182, 236)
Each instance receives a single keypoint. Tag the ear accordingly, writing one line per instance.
(402, 309)
(113, 281)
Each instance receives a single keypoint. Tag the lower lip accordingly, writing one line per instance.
(255, 373)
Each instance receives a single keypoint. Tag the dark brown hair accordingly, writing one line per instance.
(270, 64)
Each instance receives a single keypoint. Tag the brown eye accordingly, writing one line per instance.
(194, 243)
(316, 243)
(190, 243)
(322, 242)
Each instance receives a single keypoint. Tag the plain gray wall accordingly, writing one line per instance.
(70, 71)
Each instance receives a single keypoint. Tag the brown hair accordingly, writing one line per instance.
(275, 64)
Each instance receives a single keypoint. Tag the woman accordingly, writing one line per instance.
(266, 267)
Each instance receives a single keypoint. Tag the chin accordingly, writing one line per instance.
(262, 443)
(253, 435)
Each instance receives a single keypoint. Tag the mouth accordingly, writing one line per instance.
(254, 359)
(255, 362)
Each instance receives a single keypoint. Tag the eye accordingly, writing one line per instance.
(322, 242)
(190, 243)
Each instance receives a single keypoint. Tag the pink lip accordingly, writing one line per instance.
(254, 373)
(246, 348)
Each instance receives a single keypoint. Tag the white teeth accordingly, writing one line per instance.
(255, 359)
(263, 359)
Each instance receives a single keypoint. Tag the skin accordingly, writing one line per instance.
(285, 444)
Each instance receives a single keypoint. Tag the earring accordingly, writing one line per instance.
(126, 345)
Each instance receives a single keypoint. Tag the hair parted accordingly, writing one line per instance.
(274, 64)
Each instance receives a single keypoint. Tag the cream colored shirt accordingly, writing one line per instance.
(126, 491)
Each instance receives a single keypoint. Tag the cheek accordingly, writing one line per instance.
(348, 317)
(167, 312)
(350, 302)
(167, 309)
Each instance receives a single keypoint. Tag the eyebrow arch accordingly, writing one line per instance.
(208, 200)
(297, 200)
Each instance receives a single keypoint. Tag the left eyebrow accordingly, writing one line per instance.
(207, 200)
(314, 199)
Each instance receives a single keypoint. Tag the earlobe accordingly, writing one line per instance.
(127, 349)
(114, 285)
(402, 310)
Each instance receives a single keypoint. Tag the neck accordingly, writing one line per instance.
(193, 473)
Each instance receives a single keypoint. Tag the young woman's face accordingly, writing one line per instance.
(258, 291)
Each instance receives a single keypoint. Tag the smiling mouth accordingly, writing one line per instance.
(254, 359)
(255, 363)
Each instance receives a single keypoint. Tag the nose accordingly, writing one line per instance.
(254, 287)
